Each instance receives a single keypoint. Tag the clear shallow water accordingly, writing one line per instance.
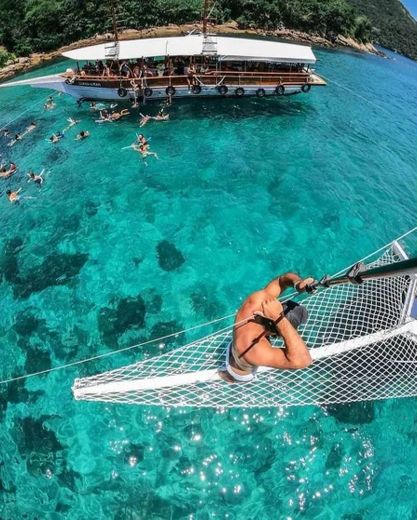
(243, 190)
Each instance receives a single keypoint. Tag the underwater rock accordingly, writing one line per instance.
(165, 328)
(37, 360)
(69, 223)
(129, 314)
(169, 257)
(9, 268)
(26, 324)
(62, 508)
(17, 393)
(36, 437)
(69, 479)
(40, 463)
(353, 413)
(155, 304)
(105, 323)
(203, 302)
(133, 453)
(56, 269)
(335, 456)
(7, 489)
(91, 208)
(137, 261)
(164, 508)
(3, 406)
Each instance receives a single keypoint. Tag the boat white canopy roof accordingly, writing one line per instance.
(226, 49)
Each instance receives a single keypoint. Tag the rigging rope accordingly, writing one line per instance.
(195, 327)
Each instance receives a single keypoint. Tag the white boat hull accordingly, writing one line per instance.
(89, 91)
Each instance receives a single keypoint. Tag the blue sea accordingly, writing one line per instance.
(112, 251)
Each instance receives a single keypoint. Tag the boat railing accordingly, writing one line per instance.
(211, 78)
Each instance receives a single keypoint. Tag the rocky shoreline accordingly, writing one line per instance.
(38, 59)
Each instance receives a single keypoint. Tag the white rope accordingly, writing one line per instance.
(351, 91)
(175, 334)
(4, 127)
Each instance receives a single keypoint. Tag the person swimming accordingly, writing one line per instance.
(37, 179)
(56, 137)
(13, 196)
(144, 119)
(104, 116)
(72, 122)
(82, 135)
(160, 116)
(115, 116)
(17, 137)
(142, 146)
(50, 104)
(5, 174)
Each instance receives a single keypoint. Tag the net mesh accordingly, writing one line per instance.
(337, 315)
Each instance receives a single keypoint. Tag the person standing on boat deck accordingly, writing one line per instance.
(266, 317)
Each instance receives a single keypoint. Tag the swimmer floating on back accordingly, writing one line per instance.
(5, 174)
(115, 116)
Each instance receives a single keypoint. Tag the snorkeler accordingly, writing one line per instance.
(82, 135)
(50, 104)
(37, 179)
(13, 196)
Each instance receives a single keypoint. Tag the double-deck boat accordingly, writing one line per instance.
(188, 66)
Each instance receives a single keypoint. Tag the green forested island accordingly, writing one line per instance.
(393, 26)
(28, 26)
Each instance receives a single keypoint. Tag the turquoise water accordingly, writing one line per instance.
(112, 251)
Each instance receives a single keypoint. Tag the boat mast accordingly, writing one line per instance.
(113, 15)
(205, 16)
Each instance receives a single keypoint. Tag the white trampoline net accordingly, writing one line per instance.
(376, 370)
